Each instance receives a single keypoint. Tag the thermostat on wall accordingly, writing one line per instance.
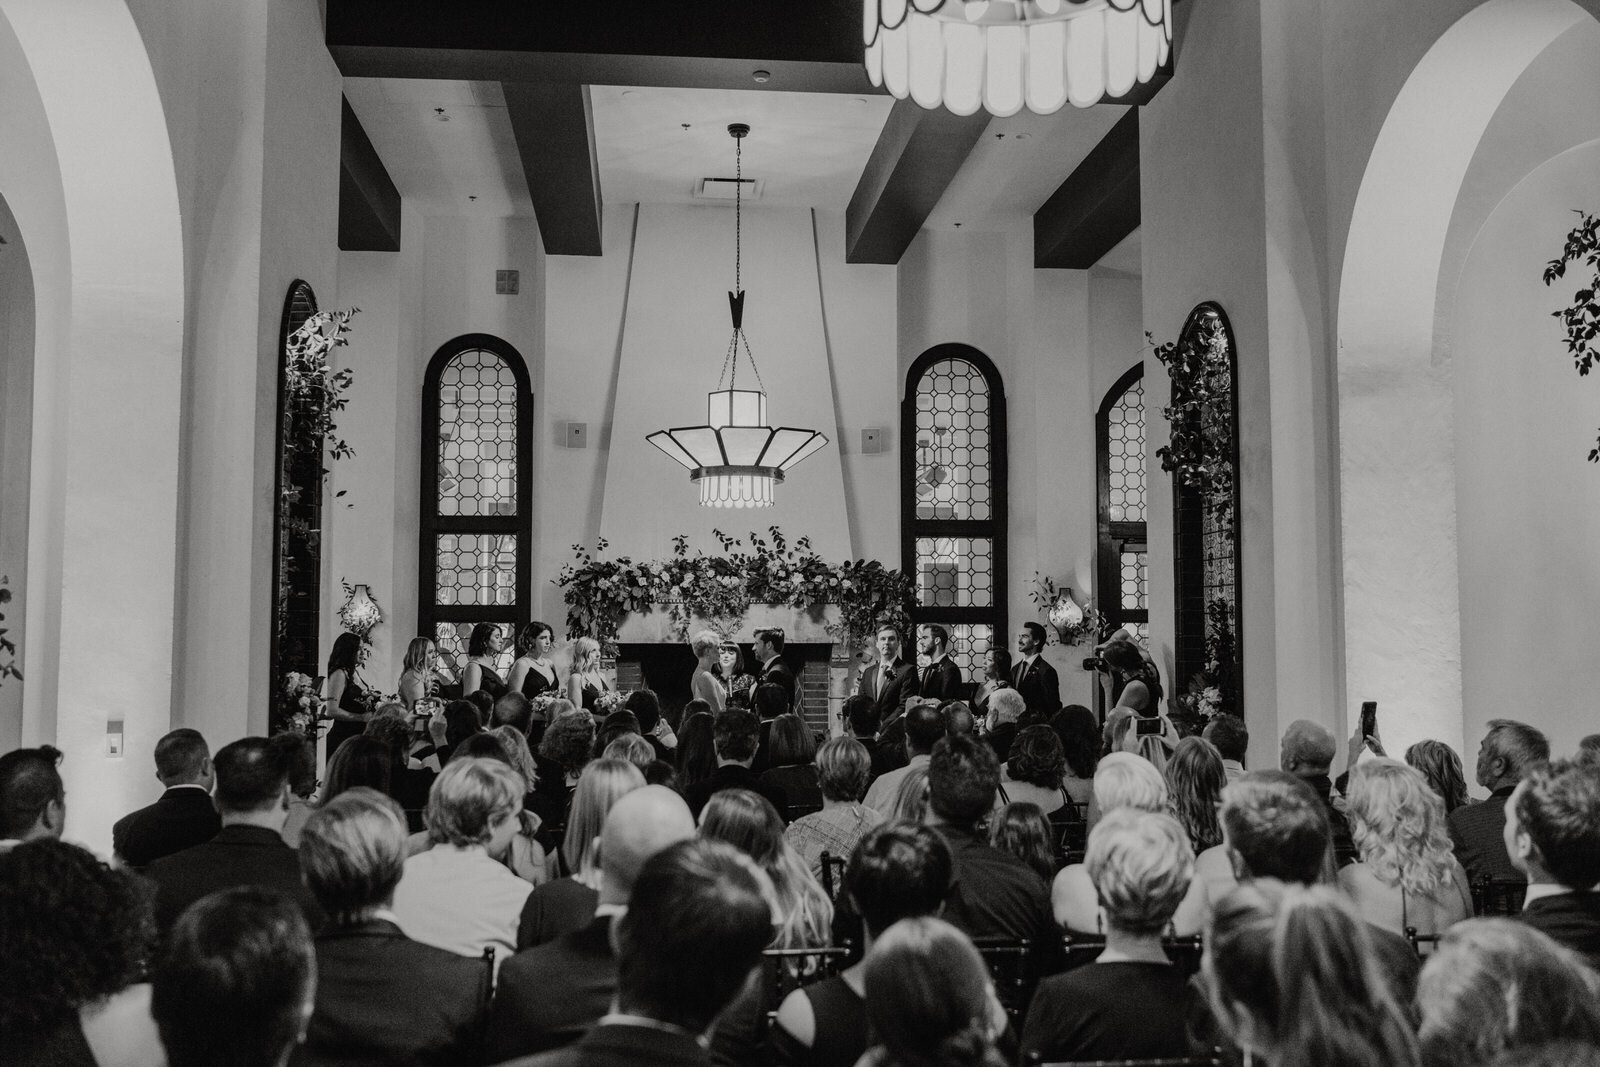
(872, 440)
(577, 435)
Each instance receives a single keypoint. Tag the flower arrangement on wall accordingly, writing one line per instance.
(8, 649)
(720, 589)
(1199, 455)
(1582, 316)
(1070, 622)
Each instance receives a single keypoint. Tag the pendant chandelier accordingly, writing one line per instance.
(1002, 54)
(737, 457)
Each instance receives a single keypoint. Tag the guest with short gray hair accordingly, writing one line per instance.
(843, 767)
(1509, 750)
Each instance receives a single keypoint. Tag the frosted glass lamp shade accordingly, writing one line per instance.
(736, 407)
(737, 461)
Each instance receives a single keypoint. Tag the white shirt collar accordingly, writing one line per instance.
(1540, 890)
(191, 785)
(1027, 661)
(610, 911)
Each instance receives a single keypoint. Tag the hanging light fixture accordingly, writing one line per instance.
(1002, 54)
(737, 457)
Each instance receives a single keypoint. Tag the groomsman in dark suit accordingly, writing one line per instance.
(889, 682)
(1033, 677)
(941, 678)
(184, 816)
(768, 651)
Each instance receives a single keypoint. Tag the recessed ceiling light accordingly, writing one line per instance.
(628, 92)
(761, 76)
(1021, 136)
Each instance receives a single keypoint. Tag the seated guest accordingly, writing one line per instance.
(1124, 780)
(363, 760)
(1195, 776)
(842, 767)
(301, 755)
(1589, 749)
(749, 822)
(930, 999)
(696, 755)
(462, 719)
(455, 896)
(923, 729)
(1130, 1003)
(645, 707)
(235, 986)
(75, 938)
(1080, 746)
(1232, 738)
(910, 800)
(567, 744)
(778, 700)
(861, 722)
(895, 872)
(993, 894)
(514, 710)
(33, 800)
(1495, 985)
(1292, 976)
(692, 936)
(1553, 835)
(617, 724)
(789, 763)
(1021, 829)
(1035, 773)
(631, 748)
(380, 996)
(1509, 750)
(1441, 766)
(183, 816)
(958, 718)
(1005, 711)
(1307, 752)
(734, 733)
(566, 904)
(409, 778)
(551, 994)
(1407, 876)
(253, 799)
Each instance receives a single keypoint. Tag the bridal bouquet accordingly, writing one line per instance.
(543, 703)
(609, 701)
(299, 707)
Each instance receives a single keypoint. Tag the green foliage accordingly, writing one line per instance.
(1046, 596)
(720, 589)
(8, 650)
(1200, 453)
(1581, 317)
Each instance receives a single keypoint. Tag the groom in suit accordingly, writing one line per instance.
(767, 647)
(941, 678)
(889, 683)
(1033, 677)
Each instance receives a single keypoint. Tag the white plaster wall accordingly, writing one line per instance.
(16, 439)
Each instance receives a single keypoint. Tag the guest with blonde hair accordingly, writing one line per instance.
(705, 685)
(909, 802)
(1124, 780)
(750, 823)
(1408, 876)
(930, 999)
(1441, 766)
(632, 748)
(416, 672)
(586, 683)
(1195, 778)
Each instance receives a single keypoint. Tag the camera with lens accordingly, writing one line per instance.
(1095, 663)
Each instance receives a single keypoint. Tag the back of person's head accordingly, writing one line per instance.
(469, 799)
(514, 743)
(771, 700)
(481, 746)
(792, 741)
(602, 784)
(962, 778)
(252, 775)
(640, 824)
(924, 727)
(646, 709)
(1555, 822)
(697, 753)
(73, 931)
(910, 800)
(736, 733)
(1229, 734)
(633, 748)
(1292, 974)
(1441, 766)
(1276, 827)
(1080, 739)
(958, 718)
(1008, 705)
(843, 769)
(1195, 777)
(1308, 748)
(1498, 984)
(568, 740)
(617, 724)
(1036, 758)
(1517, 744)
(32, 796)
(235, 986)
(513, 709)
(461, 721)
(393, 732)
(483, 704)
(745, 820)
(1398, 824)
(299, 755)
(1021, 830)
(1141, 865)
(928, 995)
(183, 758)
(1589, 749)
(352, 853)
(862, 715)
(1123, 780)
(898, 870)
(700, 916)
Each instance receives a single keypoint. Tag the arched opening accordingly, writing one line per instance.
(16, 446)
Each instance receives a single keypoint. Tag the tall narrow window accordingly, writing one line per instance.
(953, 498)
(297, 512)
(477, 436)
(1123, 557)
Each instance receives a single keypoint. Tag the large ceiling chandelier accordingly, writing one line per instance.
(738, 457)
(1002, 54)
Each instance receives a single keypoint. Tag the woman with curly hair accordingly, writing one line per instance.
(1021, 830)
(1035, 772)
(566, 744)
(1407, 875)
(930, 999)
(75, 935)
(1441, 766)
(1195, 777)
(750, 823)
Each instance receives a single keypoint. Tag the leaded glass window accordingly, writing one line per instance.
(1124, 586)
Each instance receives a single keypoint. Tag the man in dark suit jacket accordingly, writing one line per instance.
(691, 938)
(735, 735)
(890, 682)
(767, 648)
(550, 995)
(941, 678)
(253, 798)
(1553, 835)
(1509, 750)
(1033, 676)
(184, 816)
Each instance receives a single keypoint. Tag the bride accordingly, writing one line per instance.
(705, 685)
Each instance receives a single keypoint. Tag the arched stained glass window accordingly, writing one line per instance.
(297, 514)
(477, 429)
(953, 486)
(1123, 558)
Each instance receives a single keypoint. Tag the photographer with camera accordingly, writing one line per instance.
(1136, 724)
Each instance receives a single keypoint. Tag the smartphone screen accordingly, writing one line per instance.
(1144, 727)
(1369, 718)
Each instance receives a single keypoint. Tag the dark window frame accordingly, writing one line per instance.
(1114, 538)
(288, 650)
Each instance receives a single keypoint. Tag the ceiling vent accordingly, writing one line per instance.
(722, 188)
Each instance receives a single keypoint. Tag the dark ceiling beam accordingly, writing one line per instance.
(917, 156)
(1096, 207)
(704, 44)
(369, 204)
(554, 128)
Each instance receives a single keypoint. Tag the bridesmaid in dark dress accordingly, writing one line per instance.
(533, 674)
(346, 696)
(586, 683)
(483, 650)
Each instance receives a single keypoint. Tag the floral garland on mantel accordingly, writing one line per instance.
(720, 589)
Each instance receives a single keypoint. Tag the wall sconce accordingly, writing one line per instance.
(360, 612)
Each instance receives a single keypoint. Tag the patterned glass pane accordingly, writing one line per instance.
(451, 638)
(477, 436)
(1135, 568)
(1125, 455)
(955, 572)
(476, 569)
(953, 443)
(969, 644)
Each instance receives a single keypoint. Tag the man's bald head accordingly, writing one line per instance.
(640, 824)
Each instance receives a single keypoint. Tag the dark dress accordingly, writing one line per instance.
(491, 682)
(353, 699)
(591, 697)
(1111, 1011)
(840, 1033)
(536, 684)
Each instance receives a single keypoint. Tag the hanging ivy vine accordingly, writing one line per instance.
(1581, 317)
(8, 649)
(1199, 454)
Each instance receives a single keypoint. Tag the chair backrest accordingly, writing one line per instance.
(1082, 948)
(1185, 953)
(1498, 896)
(799, 811)
(832, 874)
(1419, 940)
(1071, 827)
(787, 969)
(1009, 961)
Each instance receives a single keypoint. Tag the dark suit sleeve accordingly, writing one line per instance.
(1050, 688)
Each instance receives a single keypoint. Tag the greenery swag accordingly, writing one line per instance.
(720, 589)
(8, 650)
(1199, 455)
(1582, 316)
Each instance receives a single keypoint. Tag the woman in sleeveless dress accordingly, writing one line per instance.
(417, 681)
(533, 674)
(705, 685)
(586, 683)
(1140, 699)
(483, 651)
(346, 696)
